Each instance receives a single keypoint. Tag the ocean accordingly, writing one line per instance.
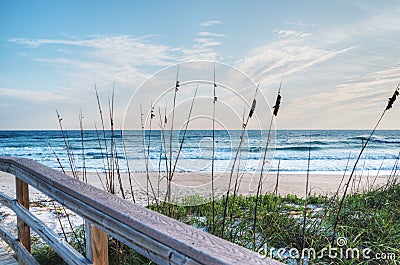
(330, 151)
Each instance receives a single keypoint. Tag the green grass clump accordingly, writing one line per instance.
(368, 220)
(44, 254)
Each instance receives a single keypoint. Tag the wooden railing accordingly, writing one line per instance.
(155, 236)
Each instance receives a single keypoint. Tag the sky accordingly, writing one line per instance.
(339, 60)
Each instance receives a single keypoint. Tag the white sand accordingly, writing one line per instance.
(43, 207)
(200, 183)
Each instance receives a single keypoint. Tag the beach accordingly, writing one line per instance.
(186, 184)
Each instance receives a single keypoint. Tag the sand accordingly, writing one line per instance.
(287, 183)
(200, 183)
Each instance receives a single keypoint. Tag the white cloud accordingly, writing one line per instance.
(347, 105)
(120, 58)
(293, 53)
(204, 42)
(38, 96)
(285, 57)
(203, 49)
(296, 23)
(83, 71)
(387, 74)
(198, 52)
(382, 23)
(210, 34)
(121, 48)
(105, 59)
(210, 23)
(292, 33)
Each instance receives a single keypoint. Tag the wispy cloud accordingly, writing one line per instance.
(122, 55)
(81, 71)
(38, 42)
(199, 52)
(284, 57)
(210, 34)
(205, 42)
(292, 33)
(210, 23)
(346, 101)
(383, 22)
(38, 96)
(118, 48)
(106, 59)
(296, 23)
(204, 47)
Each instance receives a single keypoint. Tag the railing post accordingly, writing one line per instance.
(24, 231)
(96, 244)
(88, 239)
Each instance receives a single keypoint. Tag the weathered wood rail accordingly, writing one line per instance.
(159, 238)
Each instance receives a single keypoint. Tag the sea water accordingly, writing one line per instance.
(328, 151)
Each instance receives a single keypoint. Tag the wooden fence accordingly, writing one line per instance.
(155, 236)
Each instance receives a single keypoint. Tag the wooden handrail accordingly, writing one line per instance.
(67, 252)
(155, 236)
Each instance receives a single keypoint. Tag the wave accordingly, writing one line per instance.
(319, 143)
(93, 155)
(193, 156)
(258, 149)
(299, 148)
(376, 138)
(255, 149)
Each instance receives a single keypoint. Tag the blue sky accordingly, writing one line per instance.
(340, 59)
